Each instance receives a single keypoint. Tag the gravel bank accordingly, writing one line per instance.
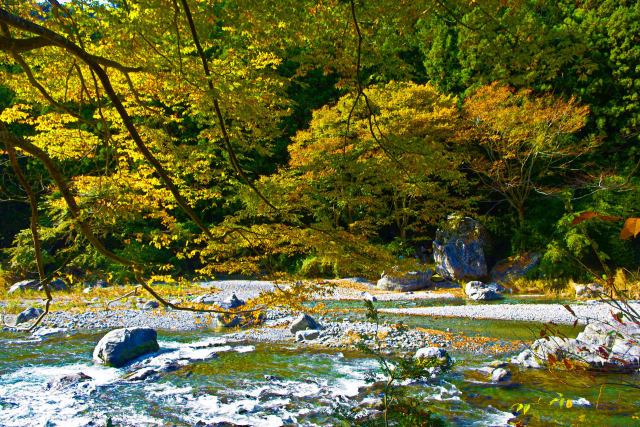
(556, 313)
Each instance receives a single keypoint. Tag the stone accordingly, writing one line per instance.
(120, 346)
(303, 322)
(150, 305)
(405, 282)
(497, 364)
(205, 299)
(231, 303)
(500, 375)
(87, 290)
(433, 353)
(307, 335)
(592, 290)
(480, 291)
(526, 359)
(366, 296)
(140, 374)
(515, 267)
(29, 314)
(458, 249)
(67, 380)
(56, 285)
(23, 286)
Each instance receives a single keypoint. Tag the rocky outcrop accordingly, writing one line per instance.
(29, 314)
(405, 282)
(515, 267)
(23, 286)
(304, 322)
(600, 347)
(120, 346)
(458, 249)
(480, 291)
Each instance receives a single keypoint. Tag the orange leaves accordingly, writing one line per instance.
(631, 228)
(585, 216)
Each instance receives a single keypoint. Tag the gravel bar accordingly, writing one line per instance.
(544, 313)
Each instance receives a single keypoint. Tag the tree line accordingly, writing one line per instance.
(191, 137)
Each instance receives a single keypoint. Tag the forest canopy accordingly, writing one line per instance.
(196, 138)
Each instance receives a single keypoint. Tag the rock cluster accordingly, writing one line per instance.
(600, 347)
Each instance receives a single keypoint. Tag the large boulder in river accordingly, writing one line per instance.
(436, 354)
(600, 347)
(458, 249)
(120, 346)
(480, 291)
(405, 282)
(23, 286)
(304, 322)
(29, 314)
(515, 267)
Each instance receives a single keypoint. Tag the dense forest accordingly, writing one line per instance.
(303, 212)
(316, 138)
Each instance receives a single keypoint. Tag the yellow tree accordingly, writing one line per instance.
(522, 143)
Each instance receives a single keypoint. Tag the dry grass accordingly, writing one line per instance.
(627, 282)
(548, 287)
(76, 300)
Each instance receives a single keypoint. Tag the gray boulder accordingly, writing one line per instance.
(205, 299)
(303, 322)
(151, 304)
(121, 346)
(500, 375)
(232, 302)
(405, 282)
(515, 267)
(368, 297)
(67, 381)
(307, 335)
(433, 353)
(29, 314)
(23, 286)
(458, 249)
(480, 291)
(526, 359)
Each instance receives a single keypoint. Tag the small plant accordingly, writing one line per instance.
(398, 406)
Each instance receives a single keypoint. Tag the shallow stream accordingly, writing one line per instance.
(280, 384)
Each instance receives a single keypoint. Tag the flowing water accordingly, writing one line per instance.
(280, 384)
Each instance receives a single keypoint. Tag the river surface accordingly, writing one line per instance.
(287, 384)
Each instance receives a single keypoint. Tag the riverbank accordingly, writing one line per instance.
(583, 312)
